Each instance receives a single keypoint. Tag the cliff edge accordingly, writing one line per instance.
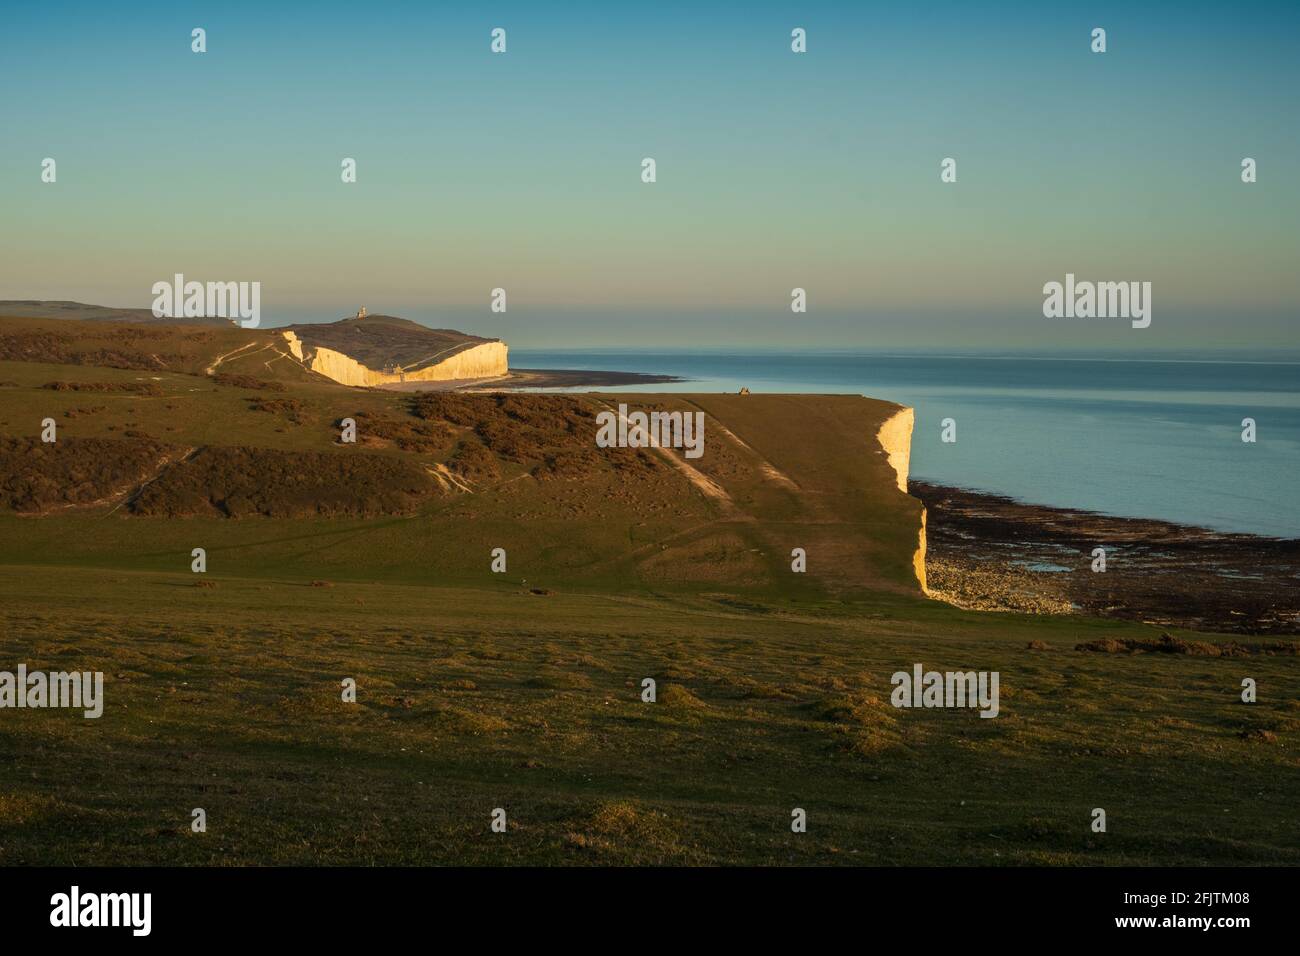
(895, 438)
(385, 350)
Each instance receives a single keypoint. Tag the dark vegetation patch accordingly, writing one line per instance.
(739, 605)
(1258, 735)
(83, 410)
(236, 380)
(1168, 644)
(524, 428)
(35, 476)
(568, 464)
(113, 358)
(66, 348)
(290, 408)
(553, 435)
(473, 461)
(423, 437)
(246, 482)
(463, 410)
(140, 388)
(517, 428)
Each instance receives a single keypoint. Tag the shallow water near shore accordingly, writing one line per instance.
(1139, 438)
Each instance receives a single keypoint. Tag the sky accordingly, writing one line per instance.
(775, 170)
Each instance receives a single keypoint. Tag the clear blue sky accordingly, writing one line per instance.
(775, 170)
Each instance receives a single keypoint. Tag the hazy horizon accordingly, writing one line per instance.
(774, 330)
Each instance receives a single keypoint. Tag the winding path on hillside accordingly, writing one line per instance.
(221, 358)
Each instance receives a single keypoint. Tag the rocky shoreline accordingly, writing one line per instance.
(988, 552)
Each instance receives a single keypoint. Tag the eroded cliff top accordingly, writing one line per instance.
(382, 341)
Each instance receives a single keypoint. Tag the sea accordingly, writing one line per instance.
(1139, 437)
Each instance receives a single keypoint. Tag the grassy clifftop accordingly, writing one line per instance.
(522, 690)
(436, 481)
(131, 339)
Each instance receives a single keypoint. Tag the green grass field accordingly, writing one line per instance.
(522, 690)
(228, 698)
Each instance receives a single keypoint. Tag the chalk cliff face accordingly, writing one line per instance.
(895, 437)
(488, 360)
(918, 560)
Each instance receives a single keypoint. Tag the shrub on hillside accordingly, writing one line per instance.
(247, 381)
(140, 388)
(242, 482)
(35, 476)
(422, 437)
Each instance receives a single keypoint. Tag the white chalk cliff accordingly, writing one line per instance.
(895, 437)
(487, 360)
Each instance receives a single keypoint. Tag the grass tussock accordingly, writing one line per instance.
(615, 829)
(859, 724)
(678, 699)
(461, 720)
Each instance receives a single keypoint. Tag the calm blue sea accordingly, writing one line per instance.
(1154, 439)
